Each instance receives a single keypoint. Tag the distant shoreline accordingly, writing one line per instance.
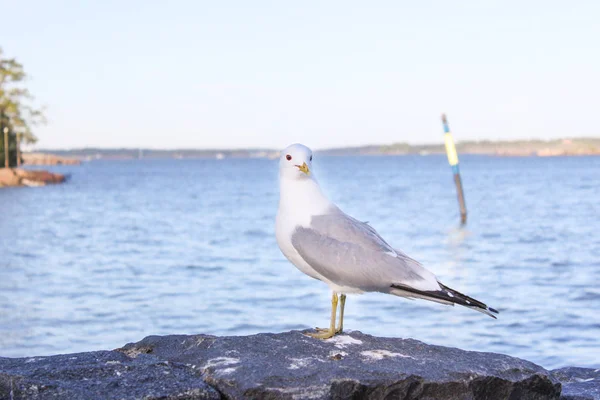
(516, 148)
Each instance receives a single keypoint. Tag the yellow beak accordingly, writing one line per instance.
(304, 168)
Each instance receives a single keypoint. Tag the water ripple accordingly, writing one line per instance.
(130, 249)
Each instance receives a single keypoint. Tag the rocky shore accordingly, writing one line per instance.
(289, 366)
(48, 159)
(21, 177)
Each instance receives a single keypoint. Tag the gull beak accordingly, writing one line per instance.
(304, 168)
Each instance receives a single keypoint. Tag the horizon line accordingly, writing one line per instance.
(441, 143)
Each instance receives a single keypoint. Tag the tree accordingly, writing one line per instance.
(16, 109)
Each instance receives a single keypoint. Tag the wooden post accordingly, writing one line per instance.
(6, 164)
(2, 132)
(453, 161)
(18, 149)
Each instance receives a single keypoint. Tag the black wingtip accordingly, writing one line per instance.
(451, 295)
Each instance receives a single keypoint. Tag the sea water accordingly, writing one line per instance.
(130, 248)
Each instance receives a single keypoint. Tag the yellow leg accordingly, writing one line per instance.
(340, 327)
(331, 331)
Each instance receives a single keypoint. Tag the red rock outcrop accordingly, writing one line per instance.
(21, 177)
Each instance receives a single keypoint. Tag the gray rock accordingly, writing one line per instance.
(280, 366)
(579, 383)
(355, 366)
(100, 375)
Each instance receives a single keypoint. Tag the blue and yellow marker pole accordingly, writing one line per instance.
(453, 161)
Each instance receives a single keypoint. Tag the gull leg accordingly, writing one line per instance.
(340, 327)
(326, 334)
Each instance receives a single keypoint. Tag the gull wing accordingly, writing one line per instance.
(352, 254)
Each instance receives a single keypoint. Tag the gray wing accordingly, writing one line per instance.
(352, 254)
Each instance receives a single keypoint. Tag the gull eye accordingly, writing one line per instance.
(288, 157)
(310, 158)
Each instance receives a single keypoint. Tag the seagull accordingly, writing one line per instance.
(348, 255)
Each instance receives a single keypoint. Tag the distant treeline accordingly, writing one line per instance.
(575, 146)
(127, 153)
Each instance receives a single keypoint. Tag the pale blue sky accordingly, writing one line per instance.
(326, 73)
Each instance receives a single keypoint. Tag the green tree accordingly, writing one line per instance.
(16, 107)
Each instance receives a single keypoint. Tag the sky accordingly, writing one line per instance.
(234, 74)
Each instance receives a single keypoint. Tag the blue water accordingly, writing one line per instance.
(127, 249)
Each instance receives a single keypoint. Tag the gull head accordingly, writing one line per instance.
(296, 162)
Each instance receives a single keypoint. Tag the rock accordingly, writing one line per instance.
(21, 177)
(100, 375)
(579, 383)
(39, 176)
(292, 365)
(9, 178)
(278, 366)
(48, 159)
